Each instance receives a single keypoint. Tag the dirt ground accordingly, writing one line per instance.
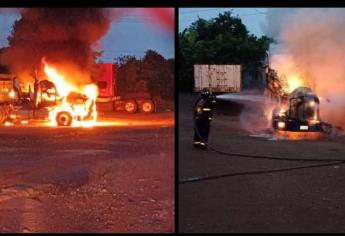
(294, 200)
(113, 178)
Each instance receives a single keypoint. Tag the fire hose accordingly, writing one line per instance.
(328, 162)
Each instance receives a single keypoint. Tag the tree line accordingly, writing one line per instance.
(152, 74)
(220, 40)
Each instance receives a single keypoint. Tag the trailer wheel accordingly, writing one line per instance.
(147, 107)
(64, 118)
(131, 106)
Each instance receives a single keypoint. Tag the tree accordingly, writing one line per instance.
(153, 73)
(127, 74)
(3, 68)
(158, 72)
(221, 40)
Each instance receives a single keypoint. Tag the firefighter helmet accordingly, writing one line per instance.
(205, 93)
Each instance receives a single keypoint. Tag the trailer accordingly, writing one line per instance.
(109, 94)
(217, 78)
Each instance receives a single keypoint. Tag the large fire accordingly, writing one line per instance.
(75, 102)
(293, 82)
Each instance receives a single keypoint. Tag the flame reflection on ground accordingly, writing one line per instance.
(293, 135)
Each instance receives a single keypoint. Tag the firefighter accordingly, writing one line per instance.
(202, 118)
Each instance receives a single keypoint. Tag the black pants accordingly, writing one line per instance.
(201, 130)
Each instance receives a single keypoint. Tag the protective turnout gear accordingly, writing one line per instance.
(205, 94)
(202, 118)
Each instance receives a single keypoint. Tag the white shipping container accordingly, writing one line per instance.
(218, 78)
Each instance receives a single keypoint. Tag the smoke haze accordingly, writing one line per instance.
(311, 44)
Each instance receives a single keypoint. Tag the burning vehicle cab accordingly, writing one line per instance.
(76, 107)
(302, 113)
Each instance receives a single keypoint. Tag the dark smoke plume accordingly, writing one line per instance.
(62, 35)
(66, 37)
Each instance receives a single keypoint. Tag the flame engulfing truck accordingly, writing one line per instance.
(298, 106)
(45, 102)
(302, 113)
(53, 98)
(64, 103)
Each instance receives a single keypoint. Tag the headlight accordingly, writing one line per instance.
(11, 94)
(281, 125)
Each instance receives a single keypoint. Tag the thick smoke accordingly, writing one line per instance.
(163, 16)
(311, 44)
(65, 37)
(68, 38)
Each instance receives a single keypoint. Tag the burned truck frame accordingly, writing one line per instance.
(302, 113)
(16, 105)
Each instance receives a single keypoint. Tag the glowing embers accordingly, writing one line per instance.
(292, 135)
(76, 105)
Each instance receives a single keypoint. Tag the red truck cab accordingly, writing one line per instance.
(107, 86)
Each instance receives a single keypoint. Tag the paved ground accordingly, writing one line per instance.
(118, 177)
(301, 200)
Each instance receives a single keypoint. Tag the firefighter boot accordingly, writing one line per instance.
(203, 146)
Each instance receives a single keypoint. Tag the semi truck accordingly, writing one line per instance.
(302, 113)
(18, 102)
(217, 78)
(109, 93)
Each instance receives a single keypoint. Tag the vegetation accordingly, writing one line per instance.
(152, 74)
(221, 40)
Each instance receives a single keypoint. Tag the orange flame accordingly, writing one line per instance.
(293, 82)
(84, 114)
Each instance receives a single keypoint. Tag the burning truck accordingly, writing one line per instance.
(71, 104)
(69, 88)
(302, 113)
(298, 108)
(63, 102)
(52, 98)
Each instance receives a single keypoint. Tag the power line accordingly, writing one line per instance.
(131, 52)
(209, 9)
(257, 10)
(138, 51)
(136, 21)
(251, 14)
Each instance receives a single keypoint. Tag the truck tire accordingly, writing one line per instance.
(147, 107)
(5, 112)
(64, 118)
(131, 106)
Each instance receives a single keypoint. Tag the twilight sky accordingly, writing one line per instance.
(133, 34)
(253, 18)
